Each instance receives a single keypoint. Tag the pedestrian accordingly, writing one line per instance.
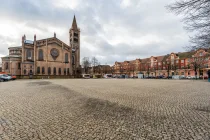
(208, 75)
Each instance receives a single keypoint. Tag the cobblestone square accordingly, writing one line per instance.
(115, 109)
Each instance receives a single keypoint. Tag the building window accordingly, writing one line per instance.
(19, 66)
(66, 58)
(75, 40)
(38, 70)
(188, 73)
(68, 71)
(182, 61)
(49, 70)
(6, 65)
(59, 71)
(43, 70)
(201, 54)
(24, 72)
(54, 70)
(41, 56)
(31, 67)
(75, 34)
(64, 71)
(29, 56)
(182, 73)
(73, 60)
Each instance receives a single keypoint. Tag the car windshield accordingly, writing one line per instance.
(5, 75)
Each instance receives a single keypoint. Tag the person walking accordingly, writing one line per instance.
(208, 75)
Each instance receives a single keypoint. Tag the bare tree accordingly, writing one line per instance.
(86, 64)
(196, 18)
(168, 64)
(95, 63)
(198, 63)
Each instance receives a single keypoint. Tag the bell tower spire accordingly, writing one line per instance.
(74, 23)
(74, 37)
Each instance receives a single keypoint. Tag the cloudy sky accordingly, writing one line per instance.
(111, 30)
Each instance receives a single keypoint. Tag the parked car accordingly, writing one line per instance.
(188, 77)
(205, 77)
(1, 79)
(182, 77)
(5, 77)
(13, 76)
(86, 76)
(160, 77)
(169, 77)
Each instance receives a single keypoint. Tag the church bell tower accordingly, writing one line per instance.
(74, 34)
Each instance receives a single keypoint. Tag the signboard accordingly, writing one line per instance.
(28, 42)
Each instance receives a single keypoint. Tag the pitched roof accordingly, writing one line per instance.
(186, 54)
(145, 60)
(160, 58)
(165, 57)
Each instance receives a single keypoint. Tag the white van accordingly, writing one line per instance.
(108, 76)
(86, 76)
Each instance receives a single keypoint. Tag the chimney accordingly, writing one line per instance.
(54, 35)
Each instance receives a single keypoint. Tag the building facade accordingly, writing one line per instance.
(184, 63)
(46, 57)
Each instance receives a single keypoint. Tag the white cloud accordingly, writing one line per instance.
(110, 30)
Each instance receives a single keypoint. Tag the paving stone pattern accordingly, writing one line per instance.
(104, 109)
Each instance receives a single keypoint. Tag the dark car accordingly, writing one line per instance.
(1, 79)
(169, 77)
(160, 77)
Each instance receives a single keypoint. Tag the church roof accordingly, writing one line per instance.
(74, 23)
(18, 47)
(12, 56)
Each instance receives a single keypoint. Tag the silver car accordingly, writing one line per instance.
(5, 77)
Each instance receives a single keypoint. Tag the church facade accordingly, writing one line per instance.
(46, 57)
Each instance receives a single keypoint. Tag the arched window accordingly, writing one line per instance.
(64, 71)
(19, 65)
(38, 70)
(59, 71)
(49, 70)
(73, 60)
(28, 54)
(66, 58)
(43, 70)
(41, 56)
(6, 65)
(54, 71)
